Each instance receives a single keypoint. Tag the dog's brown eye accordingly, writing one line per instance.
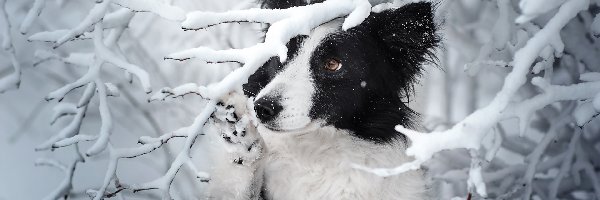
(332, 64)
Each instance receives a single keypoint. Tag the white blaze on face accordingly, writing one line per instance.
(294, 85)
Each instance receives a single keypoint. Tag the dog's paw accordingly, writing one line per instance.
(233, 122)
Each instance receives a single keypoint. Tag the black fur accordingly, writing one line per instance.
(283, 4)
(386, 52)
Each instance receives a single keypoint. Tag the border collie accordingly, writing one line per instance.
(334, 103)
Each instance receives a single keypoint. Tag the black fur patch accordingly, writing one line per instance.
(385, 52)
(283, 4)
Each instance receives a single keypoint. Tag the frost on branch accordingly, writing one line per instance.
(535, 139)
(12, 80)
(284, 25)
(542, 112)
(65, 187)
(104, 28)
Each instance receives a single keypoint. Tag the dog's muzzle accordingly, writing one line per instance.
(267, 109)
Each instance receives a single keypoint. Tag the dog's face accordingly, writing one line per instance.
(351, 80)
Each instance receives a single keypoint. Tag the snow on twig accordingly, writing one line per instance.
(13, 80)
(475, 181)
(469, 132)
(182, 90)
(583, 163)
(106, 127)
(549, 110)
(162, 9)
(73, 127)
(62, 110)
(101, 56)
(536, 156)
(566, 164)
(150, 144)
(64, 188)
(105, 24)
(33, 13)
(95, 16)
(552, 93)
(284, 25)
(164, 183)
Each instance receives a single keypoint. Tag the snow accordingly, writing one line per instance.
(358, 15)
(162, 9)
(33, 13)
(118, 18)
(566, 165)
(53, 75)
(207, 54)
(199, 19)
(476, 180)
(95, 15)
(469, 132)
(552, 113)
(280, 31)
(590, 76)
(66, 185)
(112, 90)
(106, 55)
(596, 102)
(584, 113)
(285, 24)
(383, 7)
(63, 109)
(106, 117)
(596, 25)
(493, 150)
(87, 95)
(178, 91)
(69, 131)
(53, 36)
(532, 8)
(6, 37)
(88, 77)
(12, 80)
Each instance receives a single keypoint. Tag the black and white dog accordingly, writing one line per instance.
(334, 103)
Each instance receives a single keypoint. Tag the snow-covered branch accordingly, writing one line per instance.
(474, 128)
(104, 28)
(469, 133)
(284, 25)
(533, 91)
(148, 145)
(65, 187)
(300, 21)
(13, 80)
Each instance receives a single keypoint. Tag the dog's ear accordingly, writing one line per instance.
(408, 32)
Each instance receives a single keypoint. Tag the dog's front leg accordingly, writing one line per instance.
(237, 165)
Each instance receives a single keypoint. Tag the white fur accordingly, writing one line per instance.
(316, 165)
(307, 160)
(227, 179)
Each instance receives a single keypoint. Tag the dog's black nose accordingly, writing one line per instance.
(267, 108)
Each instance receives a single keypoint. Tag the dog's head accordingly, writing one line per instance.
(352, 80)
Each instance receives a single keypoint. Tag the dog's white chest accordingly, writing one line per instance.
(317, 165)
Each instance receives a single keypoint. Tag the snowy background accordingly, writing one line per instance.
(514, 95)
